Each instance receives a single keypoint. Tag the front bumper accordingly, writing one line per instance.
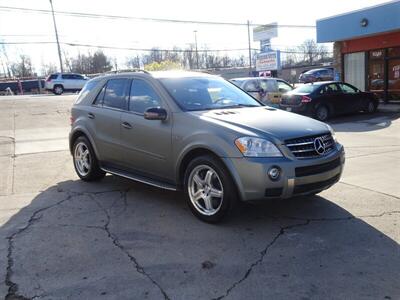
(253, 182)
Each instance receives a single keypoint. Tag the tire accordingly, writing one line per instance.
(371, 107)
(86, 165)
(58, 89)
(201, 184)
(322, 113)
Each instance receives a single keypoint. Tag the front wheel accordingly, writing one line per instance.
(322, 113)
(210, 189)
(58, 89)
(85, 161)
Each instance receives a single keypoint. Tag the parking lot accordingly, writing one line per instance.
(62, 238)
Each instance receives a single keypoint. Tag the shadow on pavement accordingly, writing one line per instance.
(117, 239)
(363, 122)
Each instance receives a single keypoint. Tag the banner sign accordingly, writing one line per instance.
(268, 61)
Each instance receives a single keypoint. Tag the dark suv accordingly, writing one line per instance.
(314, 75)
(202, 134)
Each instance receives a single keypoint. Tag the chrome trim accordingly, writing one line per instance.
(165, 187)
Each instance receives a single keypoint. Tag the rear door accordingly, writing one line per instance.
(271, 94)
(252, 87)
(146, 143)
(332, 96)
(106, 117)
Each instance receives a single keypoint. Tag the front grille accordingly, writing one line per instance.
(315, 186)
(304, 147)
(317, 169)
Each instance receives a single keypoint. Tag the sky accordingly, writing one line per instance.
(22, 27)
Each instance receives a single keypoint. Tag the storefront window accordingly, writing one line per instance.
(394, 79)
(394, 52)
(376, 72)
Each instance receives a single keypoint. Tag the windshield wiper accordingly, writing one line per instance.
(238, 106)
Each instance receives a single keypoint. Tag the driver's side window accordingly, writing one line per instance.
(142, 96)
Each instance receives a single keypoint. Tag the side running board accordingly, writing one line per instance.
(139, 178)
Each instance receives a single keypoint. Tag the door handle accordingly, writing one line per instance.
(90, 115)
(126, 125)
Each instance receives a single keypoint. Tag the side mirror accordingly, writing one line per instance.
(155, 113)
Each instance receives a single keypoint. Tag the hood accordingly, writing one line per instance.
(265, 121)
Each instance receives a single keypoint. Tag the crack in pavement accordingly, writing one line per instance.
(13, 288)
(263, 253)
(352, 217)
(372, 154)
(139, 268)
(371, 190)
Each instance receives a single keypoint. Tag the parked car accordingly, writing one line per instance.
(322, 100)
(267, 90)
(199, 133)
(59, 83)
(324, 74)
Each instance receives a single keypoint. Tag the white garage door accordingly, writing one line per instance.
(354, 69)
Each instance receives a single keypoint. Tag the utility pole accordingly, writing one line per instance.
(248, 36)
(58, 43)
(197, 52)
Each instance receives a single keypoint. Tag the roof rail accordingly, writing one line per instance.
(127, 71)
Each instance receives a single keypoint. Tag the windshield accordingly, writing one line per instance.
(205, 93)
(305, 88)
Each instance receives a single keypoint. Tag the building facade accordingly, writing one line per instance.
(366, 48)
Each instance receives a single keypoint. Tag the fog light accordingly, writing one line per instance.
(274, 173)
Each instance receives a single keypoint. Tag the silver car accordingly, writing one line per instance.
(201, 134)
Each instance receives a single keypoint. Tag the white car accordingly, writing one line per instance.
(58, 83)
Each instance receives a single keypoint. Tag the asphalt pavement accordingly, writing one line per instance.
(62, 238)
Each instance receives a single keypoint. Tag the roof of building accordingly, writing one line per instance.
(359, 23)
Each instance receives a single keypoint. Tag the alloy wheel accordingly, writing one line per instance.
(205, 190)
(82, 159)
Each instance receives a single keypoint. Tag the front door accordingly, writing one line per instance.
(105, 115)
(146, 144)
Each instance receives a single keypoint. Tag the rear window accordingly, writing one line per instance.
(89, 86)
(116, 92)
(306, 88)
(53, 76)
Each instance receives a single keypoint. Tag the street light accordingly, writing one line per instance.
(197, 52)
(58, 43)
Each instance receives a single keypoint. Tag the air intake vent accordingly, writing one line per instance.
(226, 112)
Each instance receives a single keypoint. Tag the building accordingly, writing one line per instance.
(366, 48)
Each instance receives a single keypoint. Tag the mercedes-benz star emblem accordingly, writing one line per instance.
(319, 146)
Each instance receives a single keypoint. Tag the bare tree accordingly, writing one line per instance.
(22, 67)
(312, 52)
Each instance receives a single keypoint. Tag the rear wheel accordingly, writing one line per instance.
(371, 107)
(210, 189)
(322, 113)
(85, 161)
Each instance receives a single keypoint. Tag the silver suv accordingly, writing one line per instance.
(59, 83)
(202, 134)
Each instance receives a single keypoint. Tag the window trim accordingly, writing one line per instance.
(129, 95)
(105, 87)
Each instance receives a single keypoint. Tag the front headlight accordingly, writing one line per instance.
(256, 147)
(332, 133)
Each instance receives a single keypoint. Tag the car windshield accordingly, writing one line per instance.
(305, 88)
(206, 93)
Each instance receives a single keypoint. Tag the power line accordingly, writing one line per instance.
(90, 15)
(73, 44)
